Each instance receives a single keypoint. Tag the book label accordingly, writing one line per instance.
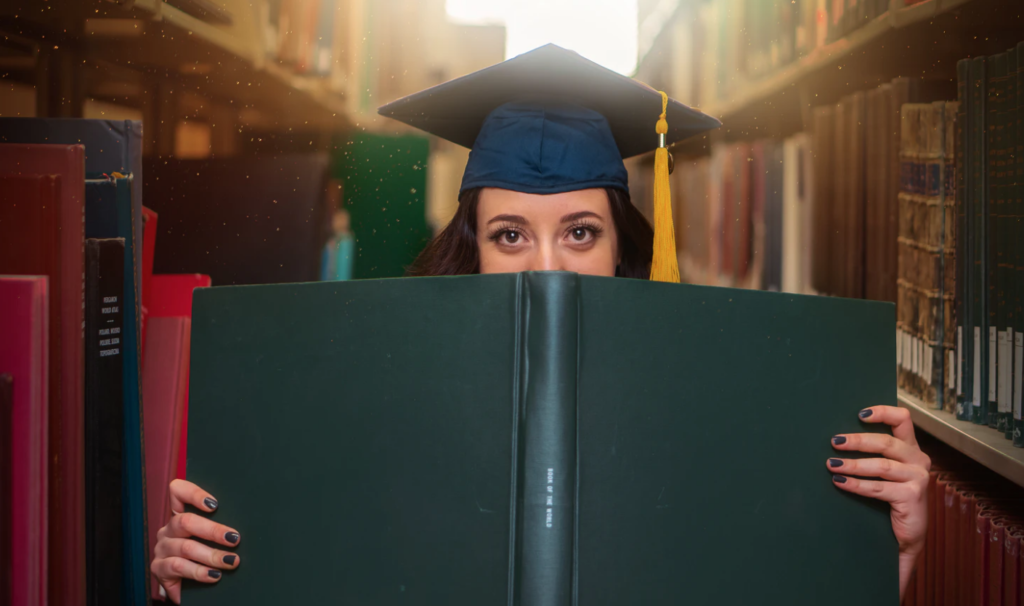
(926, 351)
(899, 348)
(976, 400)
(992, 384)
(1002, 370)
(959, 360)
(951, 375)
(1018, 367)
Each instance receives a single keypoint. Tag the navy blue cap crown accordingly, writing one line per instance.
(545, 148)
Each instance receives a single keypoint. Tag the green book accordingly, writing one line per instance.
(1008, 264)
(964, 249)
(1018, 121)
(538, 439)
(980, 263)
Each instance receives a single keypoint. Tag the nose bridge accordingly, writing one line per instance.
(547, 257)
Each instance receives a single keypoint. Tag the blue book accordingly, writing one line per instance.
(110, 213)
(111, 146)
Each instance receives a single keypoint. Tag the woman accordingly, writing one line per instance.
(545, 189)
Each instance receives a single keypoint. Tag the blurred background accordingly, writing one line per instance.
(869, 149)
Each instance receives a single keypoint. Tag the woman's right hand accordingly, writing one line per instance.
(176, 556)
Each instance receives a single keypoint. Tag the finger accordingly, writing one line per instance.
(890, 492)
(886, 469)
(895, 417)
(197, 552)
(888, 446)
(190, 525)
(172, 570)
(183, 493)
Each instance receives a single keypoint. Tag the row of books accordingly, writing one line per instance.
(98, 415)
(867, 202)
(739, 41)
(744, 216)
(974, 547)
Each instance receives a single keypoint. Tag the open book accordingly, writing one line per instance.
(538, 439)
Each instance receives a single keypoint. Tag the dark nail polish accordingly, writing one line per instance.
(229, 560)
(835, 462)
(839, 479)
(210, 502)
(214, 574)
(838, 440)
(231, 537)
(865, 413)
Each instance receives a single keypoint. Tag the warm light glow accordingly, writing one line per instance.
(604, 31)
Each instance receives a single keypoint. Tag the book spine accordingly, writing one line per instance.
(1007, 124)
(104, 300)
(907, 302)
(544, 517)
(1018, 417)
(6, 488)
(979, 282)
(964, 379)
(949, 252)
(996, 76)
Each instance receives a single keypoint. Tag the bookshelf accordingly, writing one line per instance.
(813, 64)
(135, 51)
(978, 442)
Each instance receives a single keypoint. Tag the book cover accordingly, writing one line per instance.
(24, 323)
(6, 487)
(104, 418)
(111, 146)
(110, 214)
(149, 223)
(41, 234)
(517, 439)
(164, 384)
(172, 297)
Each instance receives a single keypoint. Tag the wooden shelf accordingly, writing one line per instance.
(982, 443)
(822, 70)
(227, 64)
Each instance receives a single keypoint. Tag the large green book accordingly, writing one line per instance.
(538, 439)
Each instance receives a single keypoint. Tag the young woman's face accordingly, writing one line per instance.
(572, 231)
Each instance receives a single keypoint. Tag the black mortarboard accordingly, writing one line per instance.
(551, 121)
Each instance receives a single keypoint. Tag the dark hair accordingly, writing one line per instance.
(454, 251)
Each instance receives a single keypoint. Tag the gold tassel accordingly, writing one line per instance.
(665, 263)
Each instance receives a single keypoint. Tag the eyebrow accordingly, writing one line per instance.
(580, 215)
(521, 220)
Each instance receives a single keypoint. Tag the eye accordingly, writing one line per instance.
(510, 236)
(583, 233)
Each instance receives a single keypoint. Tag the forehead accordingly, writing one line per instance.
(495, 201)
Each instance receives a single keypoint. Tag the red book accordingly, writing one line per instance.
(172, 297)
(149, 222)
(951, 548)
(996, 528)
(1011, 566)
(931, 538)
(172, 294)
(38, 237)
(24, 322)
(939, 553)
(164, 381)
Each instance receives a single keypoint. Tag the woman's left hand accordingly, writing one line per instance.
(903, 467)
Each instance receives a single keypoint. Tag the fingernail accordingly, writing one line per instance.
(231, 537)
(835, 462)
(210, 502)
(865, 413)
(839, 440)
(839, 479)
(214, 574)
(229, 560)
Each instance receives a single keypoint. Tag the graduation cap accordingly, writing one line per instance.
(551, 121)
